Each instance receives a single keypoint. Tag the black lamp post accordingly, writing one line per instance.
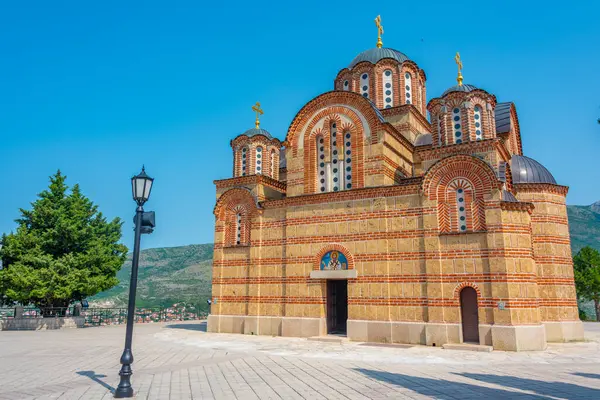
(141, 186)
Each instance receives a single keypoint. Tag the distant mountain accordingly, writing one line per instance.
(166, 276)
(584, 226)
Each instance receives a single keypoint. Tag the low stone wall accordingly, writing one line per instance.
(38, 324)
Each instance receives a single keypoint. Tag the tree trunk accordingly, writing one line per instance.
(597, 308)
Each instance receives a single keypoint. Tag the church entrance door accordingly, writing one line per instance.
(337, 306)
(469, 314)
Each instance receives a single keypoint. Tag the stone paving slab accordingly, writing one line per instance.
(182, 361)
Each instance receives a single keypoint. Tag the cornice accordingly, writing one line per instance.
(405, 186)
(541, 187)
(250, 180)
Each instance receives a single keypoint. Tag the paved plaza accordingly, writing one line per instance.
(182, 361)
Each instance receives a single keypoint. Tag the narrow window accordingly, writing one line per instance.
(462, 209)
(439, 130)
(457, 126)
(347, 160)
(477, 121)
(364, 85)
(388, 90)
(238, 228)
(244, 160)
(273, 165)
(346, 85)
(259, 160)
(335, 164)
(321, 178)
(408, 88)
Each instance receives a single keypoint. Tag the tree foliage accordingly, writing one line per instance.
(63, 250)
(587, 276)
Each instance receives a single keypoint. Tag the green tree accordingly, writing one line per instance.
(587, 276)
(63, 250)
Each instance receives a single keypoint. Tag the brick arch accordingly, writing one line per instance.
(334, 98)
(327, 116)
(436, 186)
(233, 198)
(463, 285)
(331, 247)
(477, 171)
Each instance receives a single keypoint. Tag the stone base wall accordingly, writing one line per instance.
(40, 324)
(564, 331)
(508, 338)
(264, 325)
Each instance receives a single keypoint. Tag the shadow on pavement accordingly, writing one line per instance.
(95, 377)
(190, 327)
(553, 388)
(444, 389)
(587, 375)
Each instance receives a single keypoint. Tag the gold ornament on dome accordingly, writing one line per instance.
(458, 61)
(379, 31)
(256, 108)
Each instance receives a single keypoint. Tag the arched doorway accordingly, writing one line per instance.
(469, 315)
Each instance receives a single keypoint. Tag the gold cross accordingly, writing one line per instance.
(459, 78)
(379, 31)
(256, 108)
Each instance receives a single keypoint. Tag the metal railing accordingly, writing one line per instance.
(98, 316)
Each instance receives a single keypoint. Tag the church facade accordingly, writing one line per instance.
(376, 221)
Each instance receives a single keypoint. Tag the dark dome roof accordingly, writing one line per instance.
(461, 88)
(423, 139)
(257, 131)
(376, 54)
(527, 170)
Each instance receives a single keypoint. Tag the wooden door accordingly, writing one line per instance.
(469, 314)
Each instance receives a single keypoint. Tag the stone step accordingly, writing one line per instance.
(467, 347)
(329, 339)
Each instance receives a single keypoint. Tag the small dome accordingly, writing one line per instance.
(527, 170)
(376, 54)
(259, 131)
(461, 88)
(423, 139)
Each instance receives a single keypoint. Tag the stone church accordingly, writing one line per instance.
(385, 217)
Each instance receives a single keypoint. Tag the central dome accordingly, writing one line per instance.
(376, 54)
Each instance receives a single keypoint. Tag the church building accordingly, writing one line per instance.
(384, 217)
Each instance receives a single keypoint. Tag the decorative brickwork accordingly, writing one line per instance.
(419, 222)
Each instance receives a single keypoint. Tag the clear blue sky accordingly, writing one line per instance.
(98, 88)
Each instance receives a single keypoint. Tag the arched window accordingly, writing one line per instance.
(346, 85)
(244, 160)
(238, 228)
(388, 89)
(364, 85)
(335, 161)
(477, 123)
(439, 130)
(321, 166)
(347, 163)
(408, 88)
(457, 128)
(273, 165)
(461, 194)
(258, 160)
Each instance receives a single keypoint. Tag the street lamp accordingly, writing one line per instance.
(141, 186)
